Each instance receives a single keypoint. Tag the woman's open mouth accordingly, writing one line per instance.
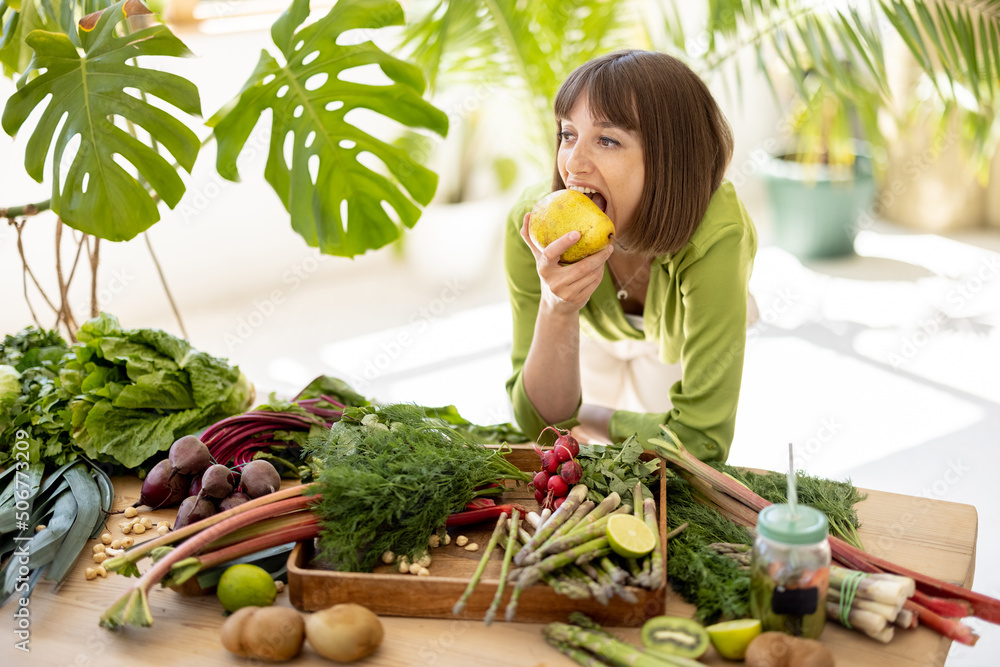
(594, 196)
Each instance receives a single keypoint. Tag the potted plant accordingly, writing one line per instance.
(834, 58)
(136, 136)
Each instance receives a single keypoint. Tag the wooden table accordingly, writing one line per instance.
(934, 537)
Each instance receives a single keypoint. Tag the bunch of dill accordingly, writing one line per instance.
(390, 477)
(714, 583)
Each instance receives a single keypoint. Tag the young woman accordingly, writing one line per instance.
(663, 309)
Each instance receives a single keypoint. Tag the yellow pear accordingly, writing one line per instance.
(562, 211)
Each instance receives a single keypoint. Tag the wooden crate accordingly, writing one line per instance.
(387, 592)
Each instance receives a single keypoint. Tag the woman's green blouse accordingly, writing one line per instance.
(696, 309)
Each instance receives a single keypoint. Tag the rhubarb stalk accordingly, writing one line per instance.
(133, 607)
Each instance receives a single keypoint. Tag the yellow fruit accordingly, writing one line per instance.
(246, 585)
(629, 537)
(731, 638)
(563, 211)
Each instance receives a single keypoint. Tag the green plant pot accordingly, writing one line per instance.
(815, 215)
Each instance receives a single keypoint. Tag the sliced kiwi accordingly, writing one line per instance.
(675, 635)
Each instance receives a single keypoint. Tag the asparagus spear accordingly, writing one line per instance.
(511, 541)
(531, 574)
(460, 605)
(579, 520)
(573, 500)
(655, 575)
(609, 649)
(578, 656)
(592, 530)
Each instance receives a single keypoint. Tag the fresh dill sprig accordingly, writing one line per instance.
(390, 476)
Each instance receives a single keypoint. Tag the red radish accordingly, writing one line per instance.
(558, 502)
(549, 462)
(541, 480)
(558, 486)
(539, 496)
(562, 453)
(569, 442)
(571, 472)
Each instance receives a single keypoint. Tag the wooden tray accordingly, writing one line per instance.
(387, 592)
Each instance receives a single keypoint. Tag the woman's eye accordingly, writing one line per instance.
(608, 141)
(565, 136)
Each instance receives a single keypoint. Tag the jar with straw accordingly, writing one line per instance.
(790, 566)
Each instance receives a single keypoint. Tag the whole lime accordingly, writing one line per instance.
(246, 585)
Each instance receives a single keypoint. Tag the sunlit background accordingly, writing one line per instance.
(882, 366)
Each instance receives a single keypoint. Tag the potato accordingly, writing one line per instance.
(344, 632)
(776, 649)
(270, 634)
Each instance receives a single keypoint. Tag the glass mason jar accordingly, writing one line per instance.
(790, 570)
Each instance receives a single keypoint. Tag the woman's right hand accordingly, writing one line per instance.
(566, 287)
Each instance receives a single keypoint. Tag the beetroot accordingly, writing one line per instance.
(571, 472)
(189, 455)
(217, 481)
(162, 486)
(259, 478)
(192, 510)
(195, 487)
(233, 500)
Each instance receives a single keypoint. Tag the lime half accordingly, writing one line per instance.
(246, 585)
(731, 638)
(629, 536)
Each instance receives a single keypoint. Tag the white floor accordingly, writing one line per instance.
(884, 366)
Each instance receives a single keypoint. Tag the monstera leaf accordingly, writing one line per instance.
(18, 18)
(342, 207)
(84, 78)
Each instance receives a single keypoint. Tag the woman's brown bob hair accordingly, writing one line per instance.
(686, 140)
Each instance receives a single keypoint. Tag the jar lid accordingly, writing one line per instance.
(807, 526)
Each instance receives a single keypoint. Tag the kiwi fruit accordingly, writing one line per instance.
(674, 635)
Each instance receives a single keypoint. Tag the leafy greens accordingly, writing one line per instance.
(135, 391)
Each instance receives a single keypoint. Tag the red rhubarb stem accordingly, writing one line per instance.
(947, 627)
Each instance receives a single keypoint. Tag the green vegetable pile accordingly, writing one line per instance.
(617, 468)
(390, 477)
(30, 398)
(118, 396)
